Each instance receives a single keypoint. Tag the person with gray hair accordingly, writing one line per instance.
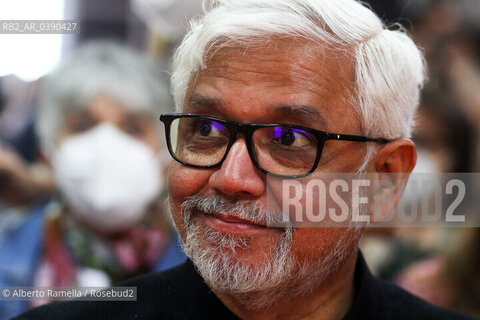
(97, 128)
(268, 91)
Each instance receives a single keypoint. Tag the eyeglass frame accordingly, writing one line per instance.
(247, 130)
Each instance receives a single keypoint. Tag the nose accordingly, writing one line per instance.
(238, 175)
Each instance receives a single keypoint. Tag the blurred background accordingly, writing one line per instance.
(37, 242)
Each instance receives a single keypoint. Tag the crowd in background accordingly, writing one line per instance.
(39, 240)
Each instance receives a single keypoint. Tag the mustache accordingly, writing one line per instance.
(249, 210)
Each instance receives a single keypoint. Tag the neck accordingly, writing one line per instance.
(330, 300)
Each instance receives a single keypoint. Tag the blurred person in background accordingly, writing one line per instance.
(98, 129)
(25, 181)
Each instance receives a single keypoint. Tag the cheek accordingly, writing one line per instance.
(341, 156)
(311, 244)
(183, 182)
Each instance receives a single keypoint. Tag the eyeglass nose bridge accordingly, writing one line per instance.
(246, 130)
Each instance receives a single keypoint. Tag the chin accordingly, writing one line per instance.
(234, 263)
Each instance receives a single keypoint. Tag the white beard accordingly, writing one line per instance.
(255, 286)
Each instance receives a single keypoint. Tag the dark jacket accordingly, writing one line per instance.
(180, 293)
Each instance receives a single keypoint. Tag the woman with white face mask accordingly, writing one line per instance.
(99, 129)
(108, 169)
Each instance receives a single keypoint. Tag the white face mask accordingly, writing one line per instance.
(107, 177)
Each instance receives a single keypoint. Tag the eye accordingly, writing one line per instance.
(287, 137)
(208, 128)
(79, 123)
(205, 128)
(133, 127)
(292, 137)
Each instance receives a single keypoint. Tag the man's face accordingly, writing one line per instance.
(283, 82)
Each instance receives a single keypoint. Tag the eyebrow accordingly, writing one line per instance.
(299, 113)
(305, 114)
(197, 100)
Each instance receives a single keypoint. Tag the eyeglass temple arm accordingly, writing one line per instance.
(348, 137)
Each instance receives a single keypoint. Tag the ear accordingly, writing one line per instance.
(397, 156)
(393, 163)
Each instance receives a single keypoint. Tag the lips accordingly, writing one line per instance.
(231, 224)
(232, 219)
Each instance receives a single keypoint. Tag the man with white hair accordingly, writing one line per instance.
(261, 85)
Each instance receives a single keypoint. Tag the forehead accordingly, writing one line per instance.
(105, 108)
(252, 84)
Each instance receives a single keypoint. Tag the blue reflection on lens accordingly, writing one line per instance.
(279, 131)
(218, 126)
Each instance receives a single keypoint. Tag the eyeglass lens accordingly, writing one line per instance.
(278, 149)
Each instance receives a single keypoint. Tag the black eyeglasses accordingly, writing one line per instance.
(281, 150)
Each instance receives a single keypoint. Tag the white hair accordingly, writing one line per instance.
(389, 68)
(100, 68)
